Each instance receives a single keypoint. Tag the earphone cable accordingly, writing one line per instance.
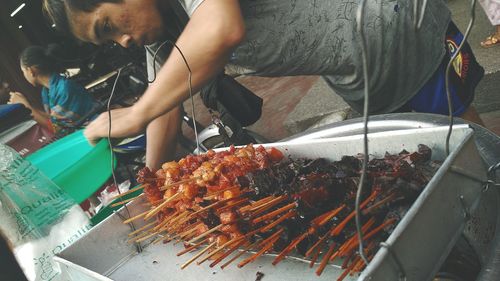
(190, 86)
(447, 75)
(112, 154)
(360, 29)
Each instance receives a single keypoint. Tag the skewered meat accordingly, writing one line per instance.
(255, 198)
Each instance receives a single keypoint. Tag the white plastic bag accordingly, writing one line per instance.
(37, 217)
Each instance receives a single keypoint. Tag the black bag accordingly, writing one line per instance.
(240, 102)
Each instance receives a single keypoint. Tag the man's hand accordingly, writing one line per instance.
(124, 123)
(16, 97)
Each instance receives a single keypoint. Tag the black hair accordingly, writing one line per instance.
(56, 11)
(44, 59)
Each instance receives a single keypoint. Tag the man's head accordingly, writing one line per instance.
(126, 22)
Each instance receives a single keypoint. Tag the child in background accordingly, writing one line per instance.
(64, 101)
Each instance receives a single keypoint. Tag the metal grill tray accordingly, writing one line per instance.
(419, 243)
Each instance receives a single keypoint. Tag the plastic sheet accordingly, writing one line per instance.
(38, 218)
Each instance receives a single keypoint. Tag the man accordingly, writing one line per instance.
(279, 38)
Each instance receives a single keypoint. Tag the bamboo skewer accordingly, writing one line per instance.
(209, 207)
(122, 202)
(347, 259)
(187, 237)
(228, 252)
(315, 256)
(354, 237)
(233, 204)
(211, 254)
(325, 259)
(141, 229)
(235, 240)
(168, 186)
(390, 197)
(323, 216)
(198, 255)
(154, 203)
(337, 229)
(335, 255)
(328, 216)
(348, 270)
(290, 247)
(278, 221)
(206, 233)
(360, 265)
(239, 254)
(129, 191)
(161, 238)
(184, 219)
(133, 239)
(320, 241)
(271, 237)
(143, 234)
(275, 213)
(171, 216)
(157, 209)
(364, 228)
(174, 223)
(320, 220)
(161, 224)
(371, 233)
(266, 245)
(192, 247)
(136, 217)
(215, 194)
(256, 204)
(189, 231)
(266, 206)
(148, 236)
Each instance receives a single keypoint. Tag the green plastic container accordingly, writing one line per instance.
(77, 167)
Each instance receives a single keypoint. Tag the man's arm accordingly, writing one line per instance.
(161, 135)
(213, 31)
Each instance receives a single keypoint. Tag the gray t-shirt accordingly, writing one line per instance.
(297, 37)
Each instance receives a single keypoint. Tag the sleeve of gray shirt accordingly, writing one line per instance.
(189, 6)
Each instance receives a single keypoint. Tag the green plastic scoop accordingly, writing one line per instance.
(74, 165)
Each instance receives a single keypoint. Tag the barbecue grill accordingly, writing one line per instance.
(455, 191)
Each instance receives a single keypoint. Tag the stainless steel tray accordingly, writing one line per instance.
(420, 242)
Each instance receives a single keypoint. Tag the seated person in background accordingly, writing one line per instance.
(65, 102)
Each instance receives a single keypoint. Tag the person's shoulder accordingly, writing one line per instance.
(68, 83)
(67, 87)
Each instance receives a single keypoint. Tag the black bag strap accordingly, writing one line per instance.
(180, 13)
